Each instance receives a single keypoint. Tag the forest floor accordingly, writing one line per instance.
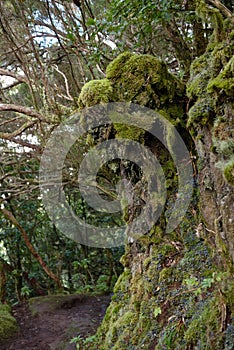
(49, 323)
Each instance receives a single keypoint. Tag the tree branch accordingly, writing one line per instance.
(8, 73)
(36, 255)
(11, 85)
(69, 97)
(51, 27)
(225, 11)
(9, 121)
(22, 128)
(26, 144)
(21, 109)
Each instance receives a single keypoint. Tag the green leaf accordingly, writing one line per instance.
(90, 22)
(157, 311)
(207, 283)
(191, 282)
(71, 36)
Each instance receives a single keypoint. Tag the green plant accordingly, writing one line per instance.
(25, 291)
(88, 340)
(80, 341)
(76, 339)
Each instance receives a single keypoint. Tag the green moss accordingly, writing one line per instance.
(8, 324)
(157, 301)
(114, 70)
(146, 262)
(229, 173)
(221, 131)
(205, 325)
(116, 333)
(225, 147)
(196, 87)
(153, 305)
(202, 112)
(166, 274)
(143, 79)
(219, 58)
(95, 92)
(213, 15)
(198, 65)
(129, 132)
(174, 113)
(224, 82)
(123, 283)
(210, 84)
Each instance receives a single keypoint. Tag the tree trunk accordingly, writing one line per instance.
(176, 291)
(2, 283)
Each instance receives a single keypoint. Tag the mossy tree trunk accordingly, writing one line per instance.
(176, 291)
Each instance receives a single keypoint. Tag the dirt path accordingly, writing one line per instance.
(55, 321)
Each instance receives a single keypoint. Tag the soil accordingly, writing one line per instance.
(49, 323)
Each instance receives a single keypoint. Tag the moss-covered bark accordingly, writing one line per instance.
(177, 289)
(211, 121)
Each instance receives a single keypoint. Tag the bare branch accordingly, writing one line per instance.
(9, 121)
(11, 85)
(23, 110)
(25, 144)
(51, 27)
(20, 130)
(66, 83)
(18, 77)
